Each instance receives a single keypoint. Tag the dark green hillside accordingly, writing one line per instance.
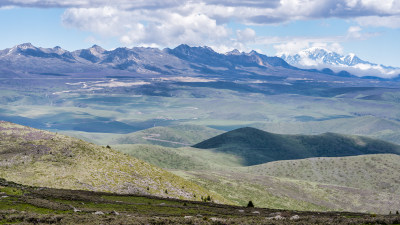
(255, 146)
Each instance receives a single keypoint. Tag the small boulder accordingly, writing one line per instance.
(295, 217)
(98, 213)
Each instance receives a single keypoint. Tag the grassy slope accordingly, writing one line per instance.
(360, 183)
(41, 158)
(374, 172)
(180, 158)
(174, 136)
(35, 205)
(284, 193)
(256, 147)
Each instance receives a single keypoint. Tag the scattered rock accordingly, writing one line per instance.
(255, 212)
(77, 210)
(98, 213)
(199, 215)
(274, 214)
(5, 196)
(162, 203)
(241, 210)
(188, 217)
(115, 213)
(217, 219)
(295, 217)
(278, 217)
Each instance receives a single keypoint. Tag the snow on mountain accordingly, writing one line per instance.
(319, 58)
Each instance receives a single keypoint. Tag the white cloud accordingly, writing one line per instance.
(204, 22)
(354, 32)
(246, 35)
(379, 21)
(252, 11)
(290, 48)
(143, 28)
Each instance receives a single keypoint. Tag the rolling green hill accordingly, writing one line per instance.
(185, 158)
(256, 147)
(40, 158)
(374, 172)
(371, 126)
(367, 183)
(174, 136)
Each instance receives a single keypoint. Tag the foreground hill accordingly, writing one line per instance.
(35, 205)
(41, 158)
(256, 147)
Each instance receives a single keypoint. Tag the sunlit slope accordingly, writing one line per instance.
(174, 136)
(40, 158)
(256, 147)
(294, 194)
(180, 158)
(375, 172)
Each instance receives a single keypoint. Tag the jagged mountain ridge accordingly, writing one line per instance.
(318, 58)
(182, 59)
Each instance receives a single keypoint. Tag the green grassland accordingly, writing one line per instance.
(127, 110)
(40, 158)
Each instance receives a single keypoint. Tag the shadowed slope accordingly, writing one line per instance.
(256, 146)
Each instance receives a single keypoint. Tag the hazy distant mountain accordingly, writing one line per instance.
(319, 58)
(256, 146)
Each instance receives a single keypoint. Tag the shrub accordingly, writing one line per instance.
(250, 204)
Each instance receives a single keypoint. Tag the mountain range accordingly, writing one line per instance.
(320, 58)
(26, 59)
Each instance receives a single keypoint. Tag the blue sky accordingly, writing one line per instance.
(370, 29)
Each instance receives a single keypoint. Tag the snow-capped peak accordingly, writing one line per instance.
(319, 58)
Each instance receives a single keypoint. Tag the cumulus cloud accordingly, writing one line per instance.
(294, 47)
(246, 35)
(379, 21)
(205, 22)
(143, 28)
(258, 11)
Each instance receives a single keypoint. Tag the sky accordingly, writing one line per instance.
(368, 28)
